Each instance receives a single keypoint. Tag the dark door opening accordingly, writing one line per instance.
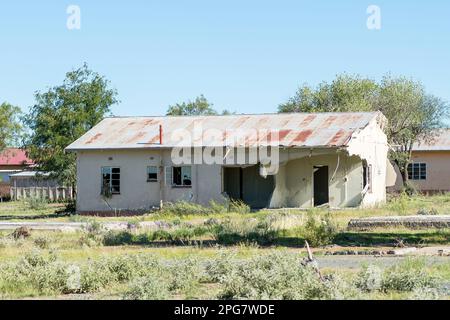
(321, 192)
(247, 185)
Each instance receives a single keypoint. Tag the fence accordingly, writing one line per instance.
(50, 193)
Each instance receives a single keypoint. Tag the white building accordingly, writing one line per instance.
(132, 163)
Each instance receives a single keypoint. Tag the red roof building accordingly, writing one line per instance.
(14, 158)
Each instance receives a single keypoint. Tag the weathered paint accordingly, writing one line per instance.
(344, 150)
(295, 130)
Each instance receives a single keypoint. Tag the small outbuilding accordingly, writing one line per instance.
(298, 160)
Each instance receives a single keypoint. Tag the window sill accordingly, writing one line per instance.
(181, 187)
(152, 180)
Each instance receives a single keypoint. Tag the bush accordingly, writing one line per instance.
(399, 204)
(406, 276)
(277, 275)
(184, 274)
(247, 231)
(21, 233)
(183, 234)
(36, 203)
(426, 212)
(150, 287)
(217, 268)
(41, 242)
(93, 234)
(319, 230)
(182, 208)
(370, 278)
(238, 206)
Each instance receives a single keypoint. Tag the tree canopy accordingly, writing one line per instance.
(199, 107)
(10, 127)
(412, 113)
(61, 115)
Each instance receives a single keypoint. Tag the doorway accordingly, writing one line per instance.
(321, 188)
(247, 185)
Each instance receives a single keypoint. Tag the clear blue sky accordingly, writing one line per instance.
(246, 56)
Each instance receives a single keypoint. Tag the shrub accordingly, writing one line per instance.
(184, 274)
(399, 204)
(21, 233)
(370, 278)
(36, 203)
(182, 208)
(407, 276)
(319, 230)
(248, 231)
(426, 212)
(41, 242)
(277, 275)
(238, 206)
(93, 234)
(217, 268)
(150, 287)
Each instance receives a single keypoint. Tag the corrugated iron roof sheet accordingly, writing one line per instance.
(439, 142)
(14, 157)
(290, 130)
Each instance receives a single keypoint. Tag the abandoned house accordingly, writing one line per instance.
(318, 159)
(429, 170)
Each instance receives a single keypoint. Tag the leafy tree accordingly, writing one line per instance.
(10, 127)
(63, 114)
(345, 93)
(412, 114)
(200, 106)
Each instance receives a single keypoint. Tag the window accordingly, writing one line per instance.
(152, 174)
(417, 171)
(181, 176)
(110, 181)
(367, 177)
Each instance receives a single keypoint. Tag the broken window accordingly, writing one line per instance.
(367, 177)
(417, 171)
(152, 174)
(181, 176)
(110, 181)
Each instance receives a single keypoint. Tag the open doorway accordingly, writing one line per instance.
(321, 188)
(247, 185)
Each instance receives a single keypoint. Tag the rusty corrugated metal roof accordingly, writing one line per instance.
(289, 130)
(440, 142)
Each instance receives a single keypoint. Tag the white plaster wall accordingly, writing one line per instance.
(294, 182)
(371, 145)
(136, 192)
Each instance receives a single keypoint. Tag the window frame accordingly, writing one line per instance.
(156, 172)
(417, 171)
(183, 184)
(111, 185)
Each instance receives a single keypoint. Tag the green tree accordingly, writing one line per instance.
(345, 93)
(412, 114)
(10, 127)
(200, 106)
(63, 114)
